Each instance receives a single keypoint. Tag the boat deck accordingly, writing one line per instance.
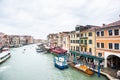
(87, 71)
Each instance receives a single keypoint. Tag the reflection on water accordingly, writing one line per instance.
(37, 66)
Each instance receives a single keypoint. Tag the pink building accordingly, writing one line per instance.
(4, 40)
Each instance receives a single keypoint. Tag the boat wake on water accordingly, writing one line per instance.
(3, 68)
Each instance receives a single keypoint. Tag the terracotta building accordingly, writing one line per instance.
(108, 44)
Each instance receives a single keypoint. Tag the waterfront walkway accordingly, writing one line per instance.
(111, 72)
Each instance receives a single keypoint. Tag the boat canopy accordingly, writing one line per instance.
(59, 50)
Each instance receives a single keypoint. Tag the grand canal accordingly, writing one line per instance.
(29, 65)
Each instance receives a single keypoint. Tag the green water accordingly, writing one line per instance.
(29, 65)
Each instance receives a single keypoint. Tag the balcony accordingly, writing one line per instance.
(84, 44)
(83, 37)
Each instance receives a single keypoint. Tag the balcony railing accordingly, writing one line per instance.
(83, 37)
(84, 44)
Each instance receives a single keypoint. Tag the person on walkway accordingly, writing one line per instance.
(118, 74)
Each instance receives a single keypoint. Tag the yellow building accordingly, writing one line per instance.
(74, 41)
(88, 40)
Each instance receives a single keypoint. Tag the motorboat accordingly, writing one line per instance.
(82, 68)
(60, 63)
(60, 60)
(4, 54)
(40, 48)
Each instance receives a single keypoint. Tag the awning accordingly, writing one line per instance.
(87, 56)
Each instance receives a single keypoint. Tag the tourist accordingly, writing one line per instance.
(118, 73)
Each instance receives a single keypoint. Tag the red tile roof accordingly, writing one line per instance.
(117, 23)
(90, 29)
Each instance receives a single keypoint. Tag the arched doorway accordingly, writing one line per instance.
(113, 62)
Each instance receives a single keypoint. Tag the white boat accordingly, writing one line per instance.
(4, 54)
(60, 63)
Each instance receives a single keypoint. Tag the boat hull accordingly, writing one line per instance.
(61, 67)
(89, 72)
(4, 58)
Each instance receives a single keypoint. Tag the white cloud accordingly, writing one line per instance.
(41, 17)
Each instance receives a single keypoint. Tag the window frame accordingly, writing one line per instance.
(102, 46)
(98, 33)
(90, 33)
(90, 41)
(116, 47)
(102, 34)
(109, 46)
(98, 45)
(118, 32)
(109, 32)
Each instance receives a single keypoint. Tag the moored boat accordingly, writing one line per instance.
(82, 68)
(40, 48)
(60, 61)
(4, 54)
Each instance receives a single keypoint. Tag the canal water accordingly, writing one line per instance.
(30, 65)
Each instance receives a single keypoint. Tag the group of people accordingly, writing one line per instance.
(91, 63)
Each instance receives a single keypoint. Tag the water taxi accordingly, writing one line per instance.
(82, 68)
(40, 48)
(60, 61)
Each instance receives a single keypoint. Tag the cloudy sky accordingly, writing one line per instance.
(41, 17)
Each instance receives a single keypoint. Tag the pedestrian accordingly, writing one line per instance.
(93, 66)
(118, 74)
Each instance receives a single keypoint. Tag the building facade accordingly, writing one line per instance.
(108, 44)
(52, 39)
(74, 41)
(66, 41)
(4, 39)
(87, 41)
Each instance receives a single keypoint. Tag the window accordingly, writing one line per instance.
(90, 50)
(110, 46)
(85, 49)
(77, 48)
(102, 45)
(77, 41)
(74, 36)
(74, 48)
(110, 32)
(77, 29)
(90, 41)
(85, 35)
(100, 54)
(81, 35)
(102, 33)
(81, 48)
(71, 47)
(77, 35)
(116, 31)
(71, 41)
(85, 42)
(90, 33)
(98, 33)
(98, 45)
(81, 41)
(116, 46)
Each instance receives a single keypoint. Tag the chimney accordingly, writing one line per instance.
(103, 25)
